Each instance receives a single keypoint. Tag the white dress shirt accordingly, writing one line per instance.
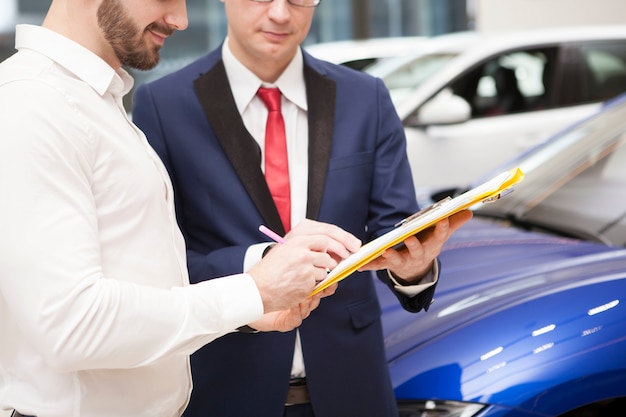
(244, 85)
(254, 114)
(97, 317)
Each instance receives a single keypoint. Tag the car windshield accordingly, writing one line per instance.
(401, 77)
(575, 183)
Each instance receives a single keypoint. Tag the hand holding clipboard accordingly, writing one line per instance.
(491, 190)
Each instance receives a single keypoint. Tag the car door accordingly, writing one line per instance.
(452, 155)
(517, 99)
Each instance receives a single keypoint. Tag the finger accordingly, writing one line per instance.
(304, 228)
(338, 241)
(413, 245)
(439, 233)
(315, 251)
(339, 249)
(312, 303)
(319, 245)
(323, 261)
(344, 242)
(293, 319)
(459, 219)
(392, 257)
(445, 228)
(374, 264)
(305, 308)
(411, 257)
(436, 235)
(328, 291)
(427, 241)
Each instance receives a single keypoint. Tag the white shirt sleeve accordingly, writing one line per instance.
(92, 263)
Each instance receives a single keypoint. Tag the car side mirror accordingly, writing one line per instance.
(444, 108)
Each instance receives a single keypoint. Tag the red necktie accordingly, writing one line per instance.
(276, 164)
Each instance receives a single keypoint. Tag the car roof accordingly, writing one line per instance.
(472, 47)
(460, 41)
(339, 52)
(488, 43)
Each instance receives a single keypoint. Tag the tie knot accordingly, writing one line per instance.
(271, 98)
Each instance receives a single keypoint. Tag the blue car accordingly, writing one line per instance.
(529, 316)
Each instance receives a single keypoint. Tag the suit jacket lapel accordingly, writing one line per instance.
(215, 96)
(321, 114)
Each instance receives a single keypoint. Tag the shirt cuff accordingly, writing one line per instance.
(427, 281)
(232, 301)
(254, 254)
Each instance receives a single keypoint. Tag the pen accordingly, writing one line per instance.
(271, 234)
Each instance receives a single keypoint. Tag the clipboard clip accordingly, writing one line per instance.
(422, 212)
(497, 196)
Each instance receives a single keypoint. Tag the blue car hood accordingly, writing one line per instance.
(498, 286)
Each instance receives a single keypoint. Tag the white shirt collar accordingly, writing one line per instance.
(74, 57)
(290, 82)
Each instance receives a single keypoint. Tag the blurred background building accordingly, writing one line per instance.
(358, 19)
(351, 19)
(504, 15)
(334, 20)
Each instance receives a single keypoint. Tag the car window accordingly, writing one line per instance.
(540, 79)
(7, 46)
(509, 83)
(360, 64)
(527, 68)
(403, 80)
(605, 64)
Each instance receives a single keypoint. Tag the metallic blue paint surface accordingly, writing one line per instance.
(530, 323)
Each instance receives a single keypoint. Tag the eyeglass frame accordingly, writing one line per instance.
(290, 2)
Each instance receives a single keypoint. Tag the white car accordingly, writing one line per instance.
(361, 53)
(470, 101)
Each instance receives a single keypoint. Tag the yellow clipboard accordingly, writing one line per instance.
(491, 190)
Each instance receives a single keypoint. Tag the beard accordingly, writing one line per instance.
(126, 39)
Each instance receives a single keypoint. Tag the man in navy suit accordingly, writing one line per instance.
(347, 167)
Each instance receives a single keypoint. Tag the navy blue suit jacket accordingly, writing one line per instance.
(359, 179)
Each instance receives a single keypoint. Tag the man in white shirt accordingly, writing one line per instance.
(347, 165)
(97, 317)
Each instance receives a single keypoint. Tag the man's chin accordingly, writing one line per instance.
(145, 64)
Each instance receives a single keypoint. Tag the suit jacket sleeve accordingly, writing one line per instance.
(394, 178)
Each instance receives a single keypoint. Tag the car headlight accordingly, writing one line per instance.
(431, 408)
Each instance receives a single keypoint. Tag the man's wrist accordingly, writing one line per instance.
(399, 281)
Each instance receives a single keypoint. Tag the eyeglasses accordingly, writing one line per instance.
(299, 3)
